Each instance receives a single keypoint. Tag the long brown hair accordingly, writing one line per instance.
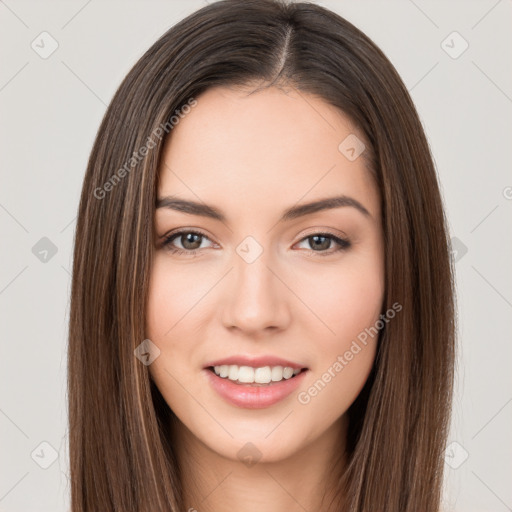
(121, 453)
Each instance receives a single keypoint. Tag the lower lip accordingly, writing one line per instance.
(254, 397)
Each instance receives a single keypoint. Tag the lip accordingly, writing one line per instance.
(255, 362)
(248, 396)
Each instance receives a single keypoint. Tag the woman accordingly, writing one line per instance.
(262, 310)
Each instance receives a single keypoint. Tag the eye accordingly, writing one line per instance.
(191, 242)
(321, 242)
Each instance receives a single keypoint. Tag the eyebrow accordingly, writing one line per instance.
(204, 210)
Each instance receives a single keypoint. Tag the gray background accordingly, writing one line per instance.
(50, 111)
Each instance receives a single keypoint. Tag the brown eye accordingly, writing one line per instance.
(190, 242)
(320, 243)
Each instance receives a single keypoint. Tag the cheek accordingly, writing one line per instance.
(344, 359)
(173, 297)
(172, 312)
(169, 301)
(177, 306)
(349, 304)
(354, 304)
(345, 300)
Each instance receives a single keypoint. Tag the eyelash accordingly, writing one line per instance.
(343, 244)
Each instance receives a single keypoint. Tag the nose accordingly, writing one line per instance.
(258, 298)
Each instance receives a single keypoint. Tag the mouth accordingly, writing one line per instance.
(254, 387)
(250, 376)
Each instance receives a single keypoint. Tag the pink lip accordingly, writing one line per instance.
(255, 362)
(254, 397)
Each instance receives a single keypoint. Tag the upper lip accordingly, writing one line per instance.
(255, 361)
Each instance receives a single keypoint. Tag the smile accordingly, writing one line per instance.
(253, 394)
(263, 375)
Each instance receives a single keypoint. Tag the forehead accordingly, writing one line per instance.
(280, 145)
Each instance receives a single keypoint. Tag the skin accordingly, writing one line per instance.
(252, 157)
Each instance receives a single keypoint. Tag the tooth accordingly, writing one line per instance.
(233, 372)
(277, 373)
(246, 374)
(262, 375)
(287, 372)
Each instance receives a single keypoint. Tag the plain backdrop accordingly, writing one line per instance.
(51, 107)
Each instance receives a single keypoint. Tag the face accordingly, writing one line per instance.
(248, 287)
